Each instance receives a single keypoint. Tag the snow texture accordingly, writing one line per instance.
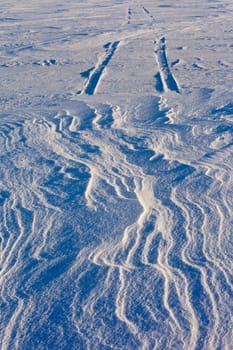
(116, 175)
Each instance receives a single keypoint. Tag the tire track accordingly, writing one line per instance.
(165, 74)
(95, 74)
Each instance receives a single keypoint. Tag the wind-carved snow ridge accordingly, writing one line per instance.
(116, 202)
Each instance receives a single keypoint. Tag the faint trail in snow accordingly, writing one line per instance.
(129, 15)
(148, 13)
(96, 73)
(168, 80)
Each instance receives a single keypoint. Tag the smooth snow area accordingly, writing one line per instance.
(116, 175)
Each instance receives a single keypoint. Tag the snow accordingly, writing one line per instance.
(116, 140)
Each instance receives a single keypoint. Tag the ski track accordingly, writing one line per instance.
(116, 212)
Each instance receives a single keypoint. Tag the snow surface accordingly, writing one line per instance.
(116, 187)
